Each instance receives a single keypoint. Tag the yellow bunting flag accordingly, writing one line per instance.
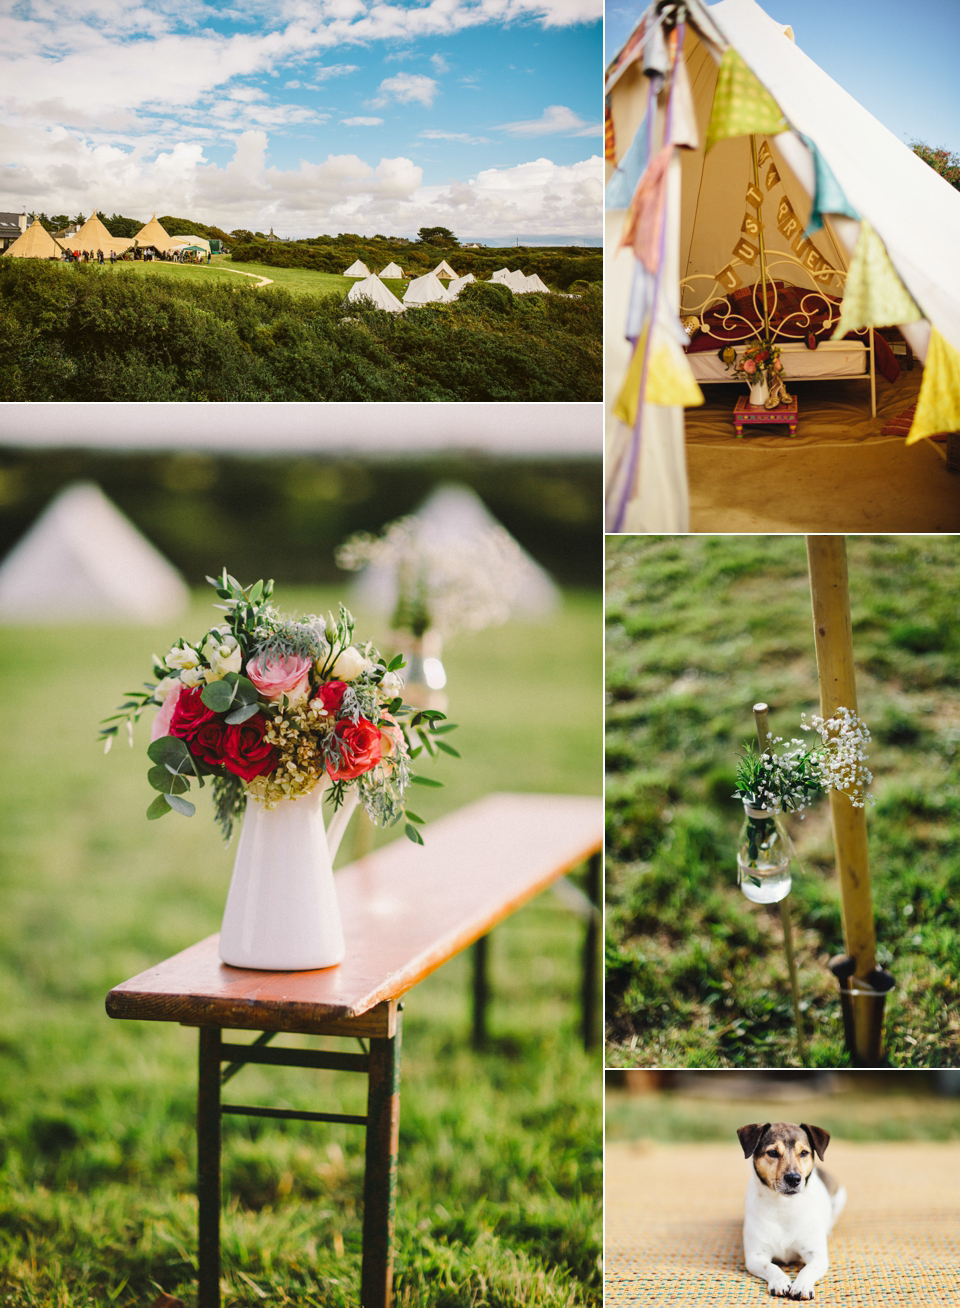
(741, 105)
(772, 177)
(763, 154)
(751, 225)
(744, 251)
(754, 196)
(874, 295)
(938, 405)
(727, 277)
(670, 379)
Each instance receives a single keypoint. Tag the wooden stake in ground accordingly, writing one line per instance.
(761, 716)
(833, 637)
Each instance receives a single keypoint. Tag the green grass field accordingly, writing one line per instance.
(299, 281)
(698, 630)
(499, 1188)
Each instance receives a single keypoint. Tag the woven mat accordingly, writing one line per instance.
(674, 1217)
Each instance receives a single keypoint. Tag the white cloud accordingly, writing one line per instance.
(556, 119)
(325, 71)
(440, 64)
(407, 88)
(362, 122)
(434, 134)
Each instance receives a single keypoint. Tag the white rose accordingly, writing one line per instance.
(192, 677)
(349, 665)
(182, 658)
(224, 655)
(392, 684)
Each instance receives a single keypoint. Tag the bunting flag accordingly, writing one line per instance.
(828, 196)
(643, 228)
(874, 295)
(741, 105)
(609, 136)
(683, 130)
(670, 379)
(626, 176)
(938, 405)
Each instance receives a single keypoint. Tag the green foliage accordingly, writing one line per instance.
(90, 335)
(941, 160)
(117, 225)
(698, 630)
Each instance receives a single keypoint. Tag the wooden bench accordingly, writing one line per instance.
(406, 910)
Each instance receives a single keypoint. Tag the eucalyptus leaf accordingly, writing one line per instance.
(413, 834)
(241, 714)
(181, 805)
(160, 779)
(246, 691)
(168, 749)
(218, 696)
(426, 781)
(412, 817)
(447, 749)
(158, 808)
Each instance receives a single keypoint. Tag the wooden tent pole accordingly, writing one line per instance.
(833, 637)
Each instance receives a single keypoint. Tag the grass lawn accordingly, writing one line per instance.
(499, 1186)
(299, 281)
(698, 630)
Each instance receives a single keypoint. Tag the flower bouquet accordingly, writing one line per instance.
(760, 366)
(772, 783)
(277, 714)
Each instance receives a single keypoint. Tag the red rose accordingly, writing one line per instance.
(207, 743)
(190, 714)
(360, 750)
(330, 696)
(245, 751)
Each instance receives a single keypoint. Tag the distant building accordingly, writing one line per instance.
(272, 237)
(12, 226)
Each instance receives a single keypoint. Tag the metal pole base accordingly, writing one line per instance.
(862, 1001)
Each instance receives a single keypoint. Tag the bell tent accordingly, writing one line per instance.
(742, 182)
(391, 270)
(374, 292)
(458, 283)
(83, 561)
(35, 243)
(443, 269)
(357, 269)
(427, 289)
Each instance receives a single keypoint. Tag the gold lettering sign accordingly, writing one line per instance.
(728, 278)
(754, 196)
(790, 226)
(763, 154)
(825, 274)
(772, 177)
(813, 259)
(751, 224)
(745, 251)
(784, 209)
(799, 245)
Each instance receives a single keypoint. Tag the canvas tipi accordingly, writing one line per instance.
(373, 290)
(427, 289)
(93, 236)
(35, 243)
(83, 561)
(153, 235)
(727, 149)
(444, 270)
(357, 269)
(392, 270)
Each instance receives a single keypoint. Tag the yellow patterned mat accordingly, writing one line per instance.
(674, 1214)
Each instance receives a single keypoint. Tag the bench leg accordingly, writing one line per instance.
(481, 992)
(591, 956)
(208, 1167)
(380, 1173)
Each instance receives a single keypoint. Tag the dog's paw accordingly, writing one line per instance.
(801, 1290)
(778, 1283)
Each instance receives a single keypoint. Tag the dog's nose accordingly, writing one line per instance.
(792, 1178)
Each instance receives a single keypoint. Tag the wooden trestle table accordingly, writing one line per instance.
(406, 910)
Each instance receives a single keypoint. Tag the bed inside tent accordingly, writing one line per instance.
(756, 241)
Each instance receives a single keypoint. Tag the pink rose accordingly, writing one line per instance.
(749, 365)
(361, 749)
(777, 364)
(275, 677)
(329, 697)
(161, 723)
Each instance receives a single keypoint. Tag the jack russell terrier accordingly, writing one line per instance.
(791, 1205)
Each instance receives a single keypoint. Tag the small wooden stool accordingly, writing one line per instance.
(744, 412)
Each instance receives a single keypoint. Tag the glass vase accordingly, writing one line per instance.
(763, 856)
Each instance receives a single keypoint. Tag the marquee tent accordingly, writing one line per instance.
(153, 235)
(35, 243)
(729, 150)
(373, 290)
(391, 270)
(427, 289)
(93, 236)
(83, 561)
(357, 269)
(443, 269)
(188, 242)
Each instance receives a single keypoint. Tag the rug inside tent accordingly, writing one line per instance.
(674, 1216)
(838, 474)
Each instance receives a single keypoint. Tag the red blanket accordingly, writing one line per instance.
(795, 315)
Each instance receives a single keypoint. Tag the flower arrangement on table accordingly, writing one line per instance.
(759, 364)
(791, 779)
(272, 707)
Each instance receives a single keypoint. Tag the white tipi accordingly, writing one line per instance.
(392, 270)
(83, 561)
(443, 269)
(373, 290)
(427, 289)
(357, 269)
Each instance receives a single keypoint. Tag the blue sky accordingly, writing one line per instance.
(897, 57)
(308, 116)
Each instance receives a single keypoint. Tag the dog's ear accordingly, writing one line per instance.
(750, 1137)
(818, 1137)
